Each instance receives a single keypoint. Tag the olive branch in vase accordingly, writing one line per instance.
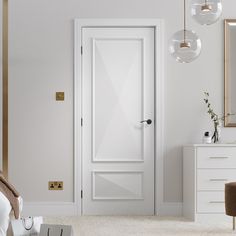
(214, 117)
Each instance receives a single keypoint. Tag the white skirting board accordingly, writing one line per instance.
(50, 209)
(171, 209)
(71, 209)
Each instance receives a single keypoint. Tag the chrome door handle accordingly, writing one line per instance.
(149, 121)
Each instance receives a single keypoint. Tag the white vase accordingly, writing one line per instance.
(217, 133)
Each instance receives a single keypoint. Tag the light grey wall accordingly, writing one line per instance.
(41, 63)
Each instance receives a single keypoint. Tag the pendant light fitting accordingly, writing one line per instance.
(185, 46)
(206, 7)
(206, 12)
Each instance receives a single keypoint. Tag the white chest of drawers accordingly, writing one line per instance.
(206, 169)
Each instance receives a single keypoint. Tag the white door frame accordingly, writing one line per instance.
(158, 26)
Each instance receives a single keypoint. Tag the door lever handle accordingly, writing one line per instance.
(149, 121)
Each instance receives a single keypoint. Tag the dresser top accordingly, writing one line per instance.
(211, 145)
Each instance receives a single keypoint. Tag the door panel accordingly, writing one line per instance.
(118, 93)
(114, 79)
(111, 185)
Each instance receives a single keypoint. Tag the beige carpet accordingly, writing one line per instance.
(139, 226)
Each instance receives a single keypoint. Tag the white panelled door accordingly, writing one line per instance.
(118, 93)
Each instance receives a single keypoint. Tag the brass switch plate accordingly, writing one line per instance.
(55, 185)
(60, 96)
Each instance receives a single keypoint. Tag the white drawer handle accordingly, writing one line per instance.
(215, 180)
(216, 202)
(218, 157)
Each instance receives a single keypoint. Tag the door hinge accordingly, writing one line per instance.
(81, 122)
(81, 50)
(81, 194)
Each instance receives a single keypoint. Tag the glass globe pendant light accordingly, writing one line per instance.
(206, 12)
(185, 46)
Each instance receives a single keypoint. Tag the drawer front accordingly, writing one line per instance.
(210, 202)
(214, 179)
(216, 157)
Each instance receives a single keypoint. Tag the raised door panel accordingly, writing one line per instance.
(116, 71)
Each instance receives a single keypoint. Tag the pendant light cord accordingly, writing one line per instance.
(184, 20)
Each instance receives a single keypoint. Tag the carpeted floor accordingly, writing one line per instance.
(139, 226)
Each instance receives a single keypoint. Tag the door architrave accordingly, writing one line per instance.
(158, 25)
